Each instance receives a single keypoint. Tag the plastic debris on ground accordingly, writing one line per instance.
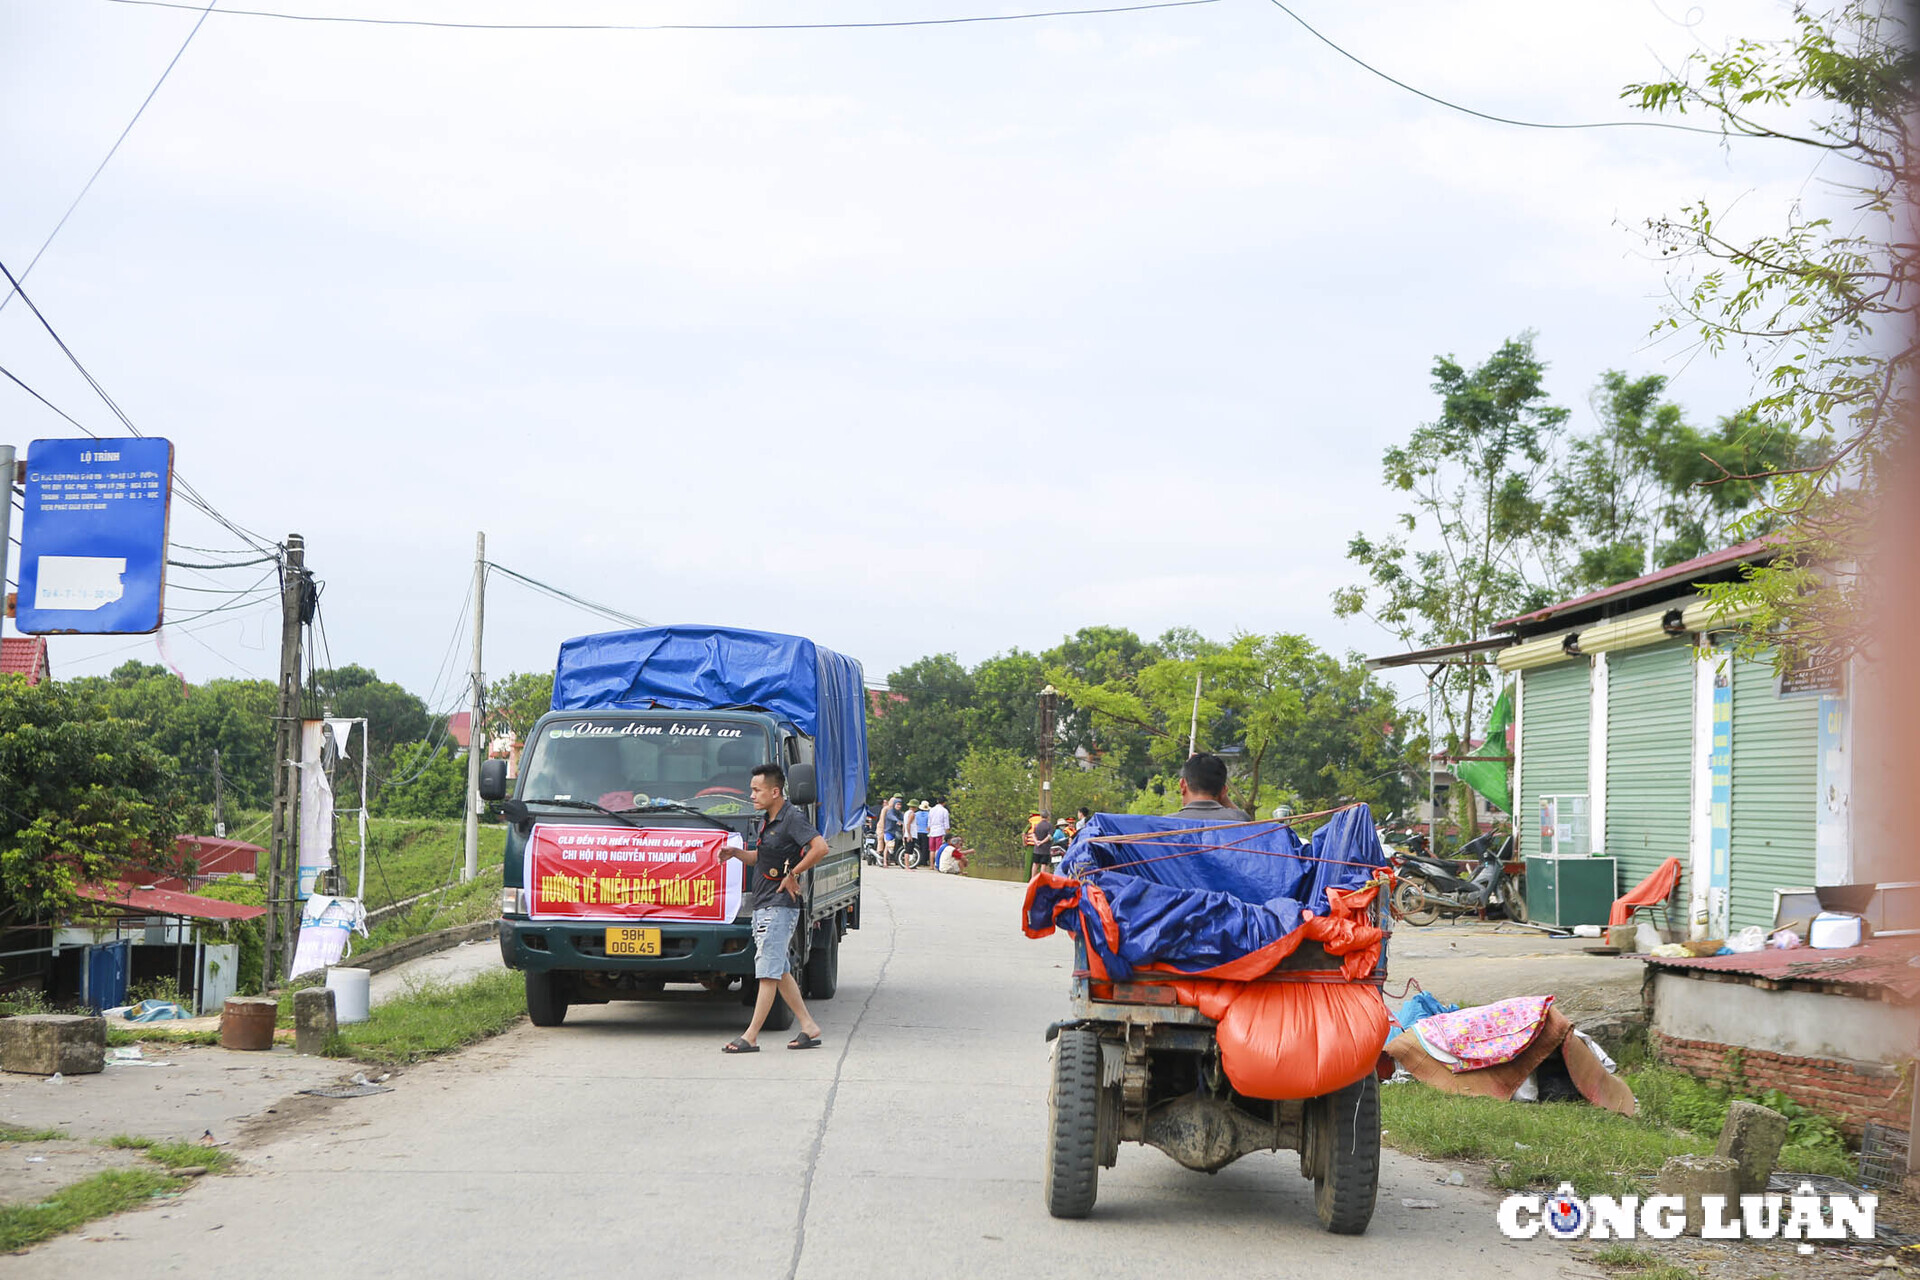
(155, 1011)
(1209, 908)
(362, 1090)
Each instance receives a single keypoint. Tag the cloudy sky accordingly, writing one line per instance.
(950, 338)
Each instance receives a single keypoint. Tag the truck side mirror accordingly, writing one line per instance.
(493, 780)
(802, 787)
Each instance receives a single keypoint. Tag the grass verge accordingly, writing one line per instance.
(434, 1018)
(158, 1032)
(75, 1206)
(11, 1133)
(1547, 1143)
(176, 1155)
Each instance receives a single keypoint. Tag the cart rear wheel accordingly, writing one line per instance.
(1073, 1115)
(1410, 905)
(1346, 1147)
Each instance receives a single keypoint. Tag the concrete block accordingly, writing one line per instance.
(1695, 1176)
(314, 1020)
(42, 1044)
(1752, 1138)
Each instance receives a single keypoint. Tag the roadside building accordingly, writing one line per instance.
(25, 656)
(1640, 737)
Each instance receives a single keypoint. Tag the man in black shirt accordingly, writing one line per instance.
(788, 848)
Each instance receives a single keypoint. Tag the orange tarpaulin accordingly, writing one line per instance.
(1654, 889)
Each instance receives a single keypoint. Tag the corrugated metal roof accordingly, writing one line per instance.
(166, 902)
(1880, 967)
(1751, 550)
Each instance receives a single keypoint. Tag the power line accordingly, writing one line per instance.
(604, 611)
(664, 26)
(191, 494)
(1454, 106)
(101, 167)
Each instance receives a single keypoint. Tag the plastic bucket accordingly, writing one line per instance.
(246, 1022)
(351, 994)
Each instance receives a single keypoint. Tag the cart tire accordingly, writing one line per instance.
(823, 963)
(1409, 904)
(1348, 1149)
(546, 999)
(1516, 902)
(1073, 1116)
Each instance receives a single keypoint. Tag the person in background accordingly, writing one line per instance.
(922, 819)
(1203, 790)
(939, 823)
(1086, 816)
(889, 829)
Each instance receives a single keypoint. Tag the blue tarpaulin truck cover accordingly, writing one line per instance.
(688, 668)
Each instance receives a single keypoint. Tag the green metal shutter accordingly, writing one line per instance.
(1649, 758)
(1556, 708)
(1775, 794)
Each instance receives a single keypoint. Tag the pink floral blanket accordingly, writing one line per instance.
(1485, 1035)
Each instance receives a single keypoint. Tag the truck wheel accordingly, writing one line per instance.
(1073, 1116)
(546, 999)
(1346, 1145)
(823, 964)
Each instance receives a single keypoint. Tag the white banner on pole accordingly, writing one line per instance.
(316, 808)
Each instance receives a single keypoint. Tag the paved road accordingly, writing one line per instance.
(625, 1144)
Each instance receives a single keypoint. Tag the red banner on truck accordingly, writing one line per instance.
(629, 873)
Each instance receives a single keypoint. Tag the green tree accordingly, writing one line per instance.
(520, 699)
(1469, 551)
(1630, 495)
(393, 715)
(1818, 305)
(1005, 709)
(914, 746)
(428, 780)
(190, 723)
(86, 798)
(996, 789)
(1101, 656)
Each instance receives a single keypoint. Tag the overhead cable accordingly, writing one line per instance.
(590, 606)
(1454, 106)
(191, 494)
(101, 167)
(665, 26)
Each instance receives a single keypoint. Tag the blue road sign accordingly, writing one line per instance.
(93, 539)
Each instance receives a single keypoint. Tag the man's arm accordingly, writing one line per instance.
(814, 852)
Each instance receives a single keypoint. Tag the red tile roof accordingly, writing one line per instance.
(1754, 549)
(1879, 968)
(166, 902)
(24, 656)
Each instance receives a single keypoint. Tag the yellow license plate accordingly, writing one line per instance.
(633, 942)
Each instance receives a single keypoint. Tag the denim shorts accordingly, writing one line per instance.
(773, 939)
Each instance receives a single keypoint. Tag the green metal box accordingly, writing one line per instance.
(1570, 890)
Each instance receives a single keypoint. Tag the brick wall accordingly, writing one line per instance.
(1850, 1093)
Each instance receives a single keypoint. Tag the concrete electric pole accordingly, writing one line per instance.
(1048, 705)
(476, 734)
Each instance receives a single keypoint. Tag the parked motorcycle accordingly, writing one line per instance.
(1425, 889)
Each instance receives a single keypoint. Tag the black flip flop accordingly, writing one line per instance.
(804, 1041)
(739, 1044)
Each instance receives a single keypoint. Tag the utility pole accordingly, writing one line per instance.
(6, 523)
(1193, 730)
(219, 798)
(283, 861)
(476, 735)
(1048, 702)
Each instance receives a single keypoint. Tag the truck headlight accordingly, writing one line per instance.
(513, 902)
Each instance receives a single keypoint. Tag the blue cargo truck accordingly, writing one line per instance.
(651, 742)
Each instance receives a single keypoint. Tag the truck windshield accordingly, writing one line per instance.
(622, 764)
